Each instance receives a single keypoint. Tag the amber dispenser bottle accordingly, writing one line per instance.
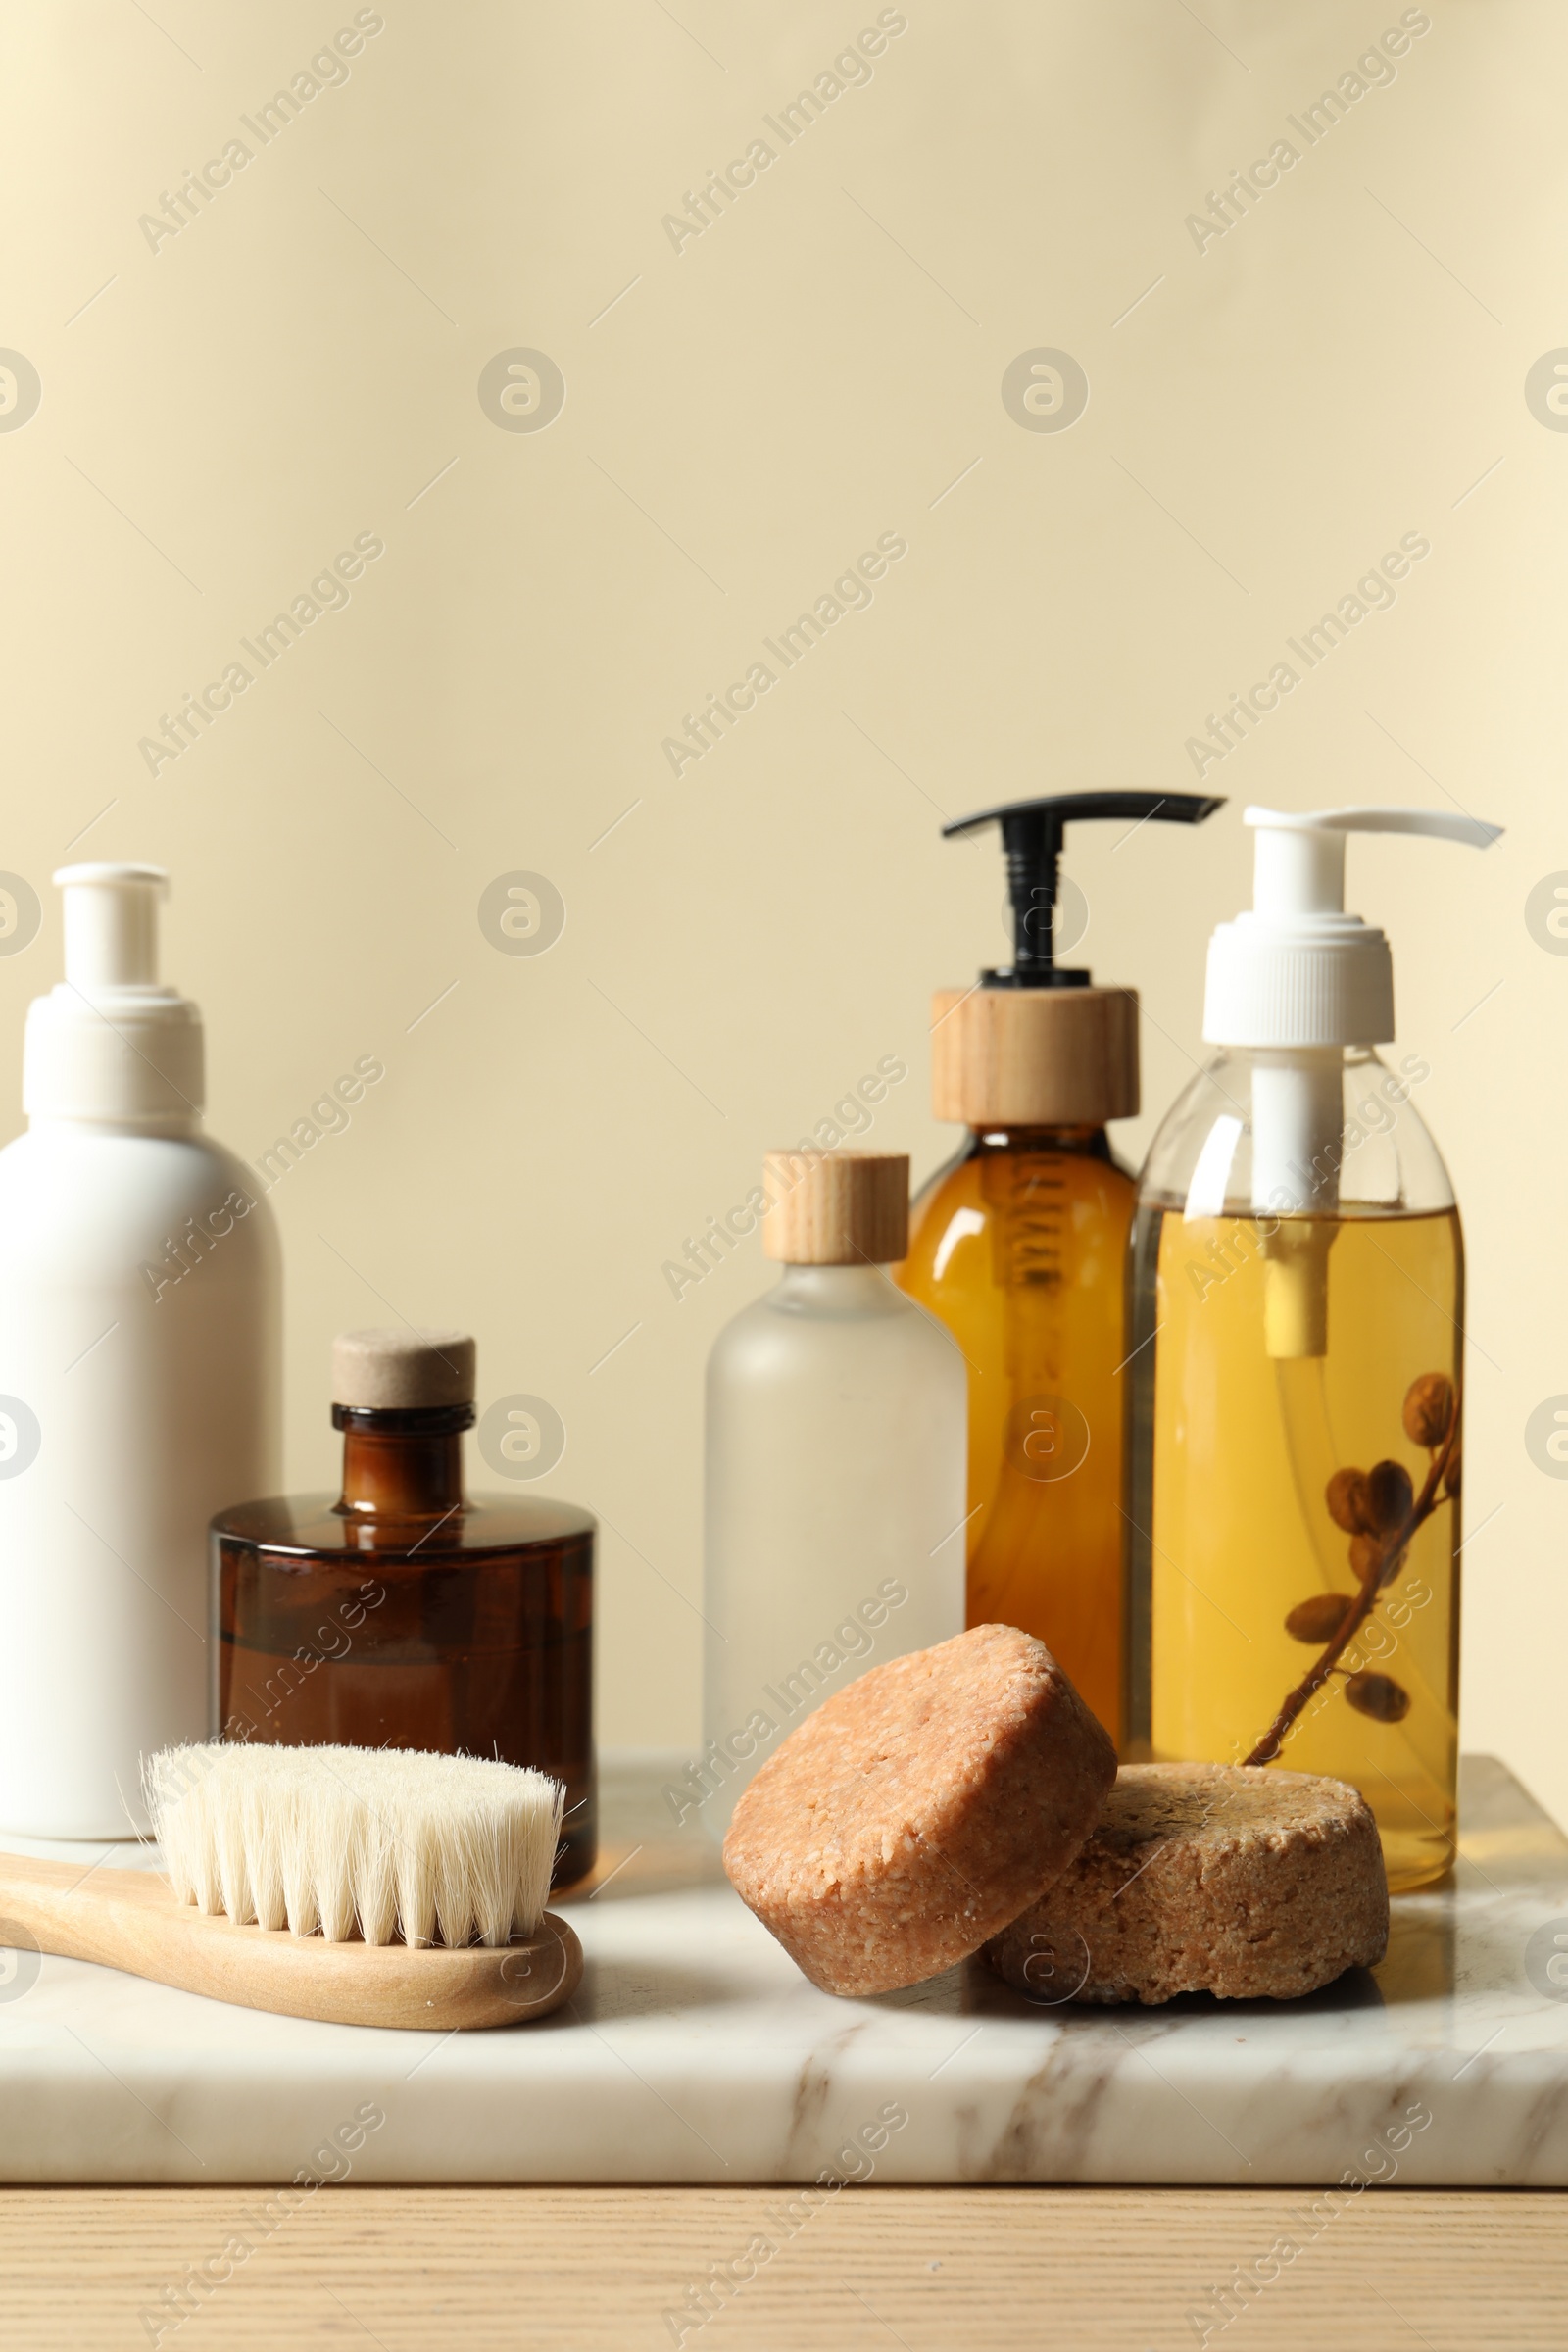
(403, 1613)
(1019, 1245)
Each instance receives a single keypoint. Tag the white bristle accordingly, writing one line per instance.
(376, 1886)
(264, 1846)
(233, 1878)
(342, 1840)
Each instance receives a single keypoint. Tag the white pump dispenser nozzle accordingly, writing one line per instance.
(112, 1042)
(1297, 980)
(111, 921)
(1297, 970)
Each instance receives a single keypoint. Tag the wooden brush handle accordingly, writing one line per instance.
(128, 1919)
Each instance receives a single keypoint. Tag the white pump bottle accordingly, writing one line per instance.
(139, 1373)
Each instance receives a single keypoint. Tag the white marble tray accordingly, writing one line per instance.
(696, 2052)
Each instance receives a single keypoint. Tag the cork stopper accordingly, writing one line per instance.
(392, 1371)
(836, 1209)
(1034, 1056)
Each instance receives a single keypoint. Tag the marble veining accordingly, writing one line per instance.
(697, 2052)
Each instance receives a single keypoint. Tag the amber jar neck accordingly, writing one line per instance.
(404, 1464)
(1086, 1143)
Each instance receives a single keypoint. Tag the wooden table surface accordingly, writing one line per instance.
(559, 2269)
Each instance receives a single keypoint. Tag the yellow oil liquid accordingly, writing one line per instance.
(1241, 1429)
(1020, 1250)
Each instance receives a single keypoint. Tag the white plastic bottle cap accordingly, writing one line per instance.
(1296, 969)
(110, 1041)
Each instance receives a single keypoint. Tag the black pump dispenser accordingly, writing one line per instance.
(1032, 834)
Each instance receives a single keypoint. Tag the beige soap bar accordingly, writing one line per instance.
(920, 1810)
(1235, 1879)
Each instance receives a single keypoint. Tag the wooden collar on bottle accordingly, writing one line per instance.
(1034, 1056)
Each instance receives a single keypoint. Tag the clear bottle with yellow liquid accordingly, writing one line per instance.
(1019, 1245)
(1296, 1376)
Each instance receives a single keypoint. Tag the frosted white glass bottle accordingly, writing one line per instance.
(836, 1461)
(138, 1373)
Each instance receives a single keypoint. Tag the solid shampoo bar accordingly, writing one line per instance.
(920, 1810)
(1235, 1880)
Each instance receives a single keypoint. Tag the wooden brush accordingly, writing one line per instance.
(364, 1887)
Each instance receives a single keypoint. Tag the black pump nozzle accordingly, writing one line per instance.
(1032, 838)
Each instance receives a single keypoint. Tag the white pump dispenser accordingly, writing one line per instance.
(111, 1041)
(1296, 979)
(1297, 970)
(138, 1372)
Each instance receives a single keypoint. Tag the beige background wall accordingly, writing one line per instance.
(299, 364)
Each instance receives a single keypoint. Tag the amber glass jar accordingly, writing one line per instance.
(403, 1614)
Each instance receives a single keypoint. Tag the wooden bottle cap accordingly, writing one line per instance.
(392, 1371)
(836, 1209)
(1034, 1056)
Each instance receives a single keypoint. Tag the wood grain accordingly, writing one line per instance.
(128, 1919)
(1034, 1056)
(836, 1209)
(960, 2269)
